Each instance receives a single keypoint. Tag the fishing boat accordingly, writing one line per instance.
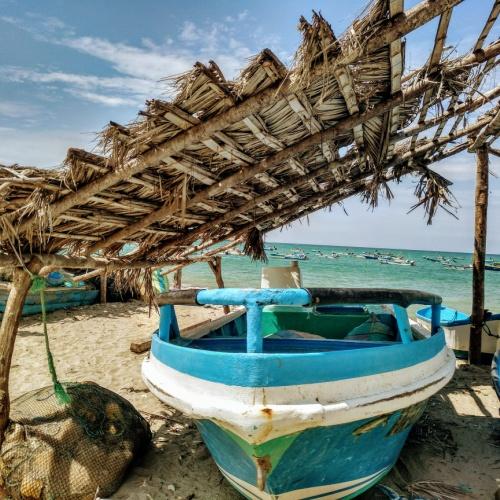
(305, 393)
(456, 326)
(56, 297)
(495, 266)
(458, 267)
(397, 261)
(296, 256)
(431, 259)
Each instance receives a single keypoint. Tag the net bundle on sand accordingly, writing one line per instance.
(76, 449)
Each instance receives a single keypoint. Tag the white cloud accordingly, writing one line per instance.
(189, 32)
(40, 148)
(131, 90)
(150, 63)
(103, 99)
(40, 27)
(139, 68)
(16, 109)
(461, 168)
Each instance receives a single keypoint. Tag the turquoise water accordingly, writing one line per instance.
(350, 271)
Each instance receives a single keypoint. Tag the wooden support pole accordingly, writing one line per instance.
(104, 287)
(479, 255)
(178, 279)
(216, 267)
(21, 282)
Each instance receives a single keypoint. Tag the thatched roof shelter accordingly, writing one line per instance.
(232, 159)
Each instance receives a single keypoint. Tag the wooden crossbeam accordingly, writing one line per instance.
(421, 150)
(491, 130)
(434, 60)
(396, 7)
(301, 106)
(465, 107)
(490, 22)
(495, 11)
(296, 213)
(280, 157)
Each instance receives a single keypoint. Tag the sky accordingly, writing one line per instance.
(67, 68)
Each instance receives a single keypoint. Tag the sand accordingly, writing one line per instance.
(457, 441)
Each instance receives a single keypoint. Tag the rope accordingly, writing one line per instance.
(38, 285)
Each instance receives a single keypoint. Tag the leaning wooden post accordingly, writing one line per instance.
(479, 255)
(178, 279)
(216, 267)
(104, 287)
(21, 282)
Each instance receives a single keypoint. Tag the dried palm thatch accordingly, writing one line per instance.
(233, 159)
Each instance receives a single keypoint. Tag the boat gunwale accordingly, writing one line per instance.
(278, 369)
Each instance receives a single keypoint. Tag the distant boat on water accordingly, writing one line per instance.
(296, 256)
(397, 261)
(495, 266)
(458, 267)
(369, 256)
(431, 259)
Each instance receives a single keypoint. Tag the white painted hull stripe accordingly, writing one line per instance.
(329, 491)
(239, 409)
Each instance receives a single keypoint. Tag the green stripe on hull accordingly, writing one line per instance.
(324, 460)
(271, 451)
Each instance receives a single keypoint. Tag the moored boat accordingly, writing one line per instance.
(56, 297)
(494, 266)
(456, 326)
(296, 256)
(307, 394)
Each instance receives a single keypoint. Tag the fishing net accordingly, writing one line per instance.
(68, 441)
(373, 329)
(70, 451)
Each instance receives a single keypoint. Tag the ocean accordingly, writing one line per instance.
(350, 271)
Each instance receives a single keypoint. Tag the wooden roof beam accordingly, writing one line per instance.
(301, 106)
(449, 113)
(292, 210)
(434, 60)
(495, 11)
(250, 206)
(491, 130)
(490, 22)
(240, 232)
(280, 157)
(396, 8)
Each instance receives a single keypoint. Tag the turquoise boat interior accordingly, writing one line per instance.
(274, 343)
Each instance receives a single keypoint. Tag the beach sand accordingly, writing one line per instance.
(457, 441)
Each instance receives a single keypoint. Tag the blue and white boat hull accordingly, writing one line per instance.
(297, 419)
(332, 439)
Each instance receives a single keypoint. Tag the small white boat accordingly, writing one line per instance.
(456, 326)
(296, 256)
(397, 261)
